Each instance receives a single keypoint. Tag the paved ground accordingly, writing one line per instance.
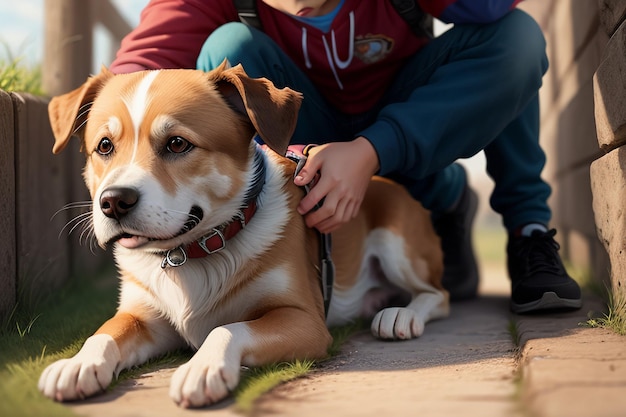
(466, 365)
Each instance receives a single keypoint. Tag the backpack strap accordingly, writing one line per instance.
(421, 23)
(246, 9)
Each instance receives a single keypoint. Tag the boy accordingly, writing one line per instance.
(382, 97)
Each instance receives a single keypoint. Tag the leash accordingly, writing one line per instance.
(299, 154)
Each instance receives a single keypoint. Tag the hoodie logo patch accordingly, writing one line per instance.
(372, 48)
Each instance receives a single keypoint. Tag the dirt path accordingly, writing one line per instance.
(462, 365)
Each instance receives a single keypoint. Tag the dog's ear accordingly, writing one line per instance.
(272, 111)
(68, 112)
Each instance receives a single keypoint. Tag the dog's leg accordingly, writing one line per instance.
(280, 335)
(123, 341)
(408, 322)
(411, 273)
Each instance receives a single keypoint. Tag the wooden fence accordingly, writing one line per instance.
(68, 42)
(36, 252)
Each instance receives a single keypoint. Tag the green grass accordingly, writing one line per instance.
(36, 335)
(257, 381)
(15, 75)
(615, 319)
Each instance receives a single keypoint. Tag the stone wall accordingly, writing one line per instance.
(608, 173)
(576, 46)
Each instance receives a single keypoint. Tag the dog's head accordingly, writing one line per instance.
(168, 150)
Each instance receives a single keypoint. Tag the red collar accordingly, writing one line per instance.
(211, 243)
(216, 240)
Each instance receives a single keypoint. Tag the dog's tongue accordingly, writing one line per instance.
(131, 242)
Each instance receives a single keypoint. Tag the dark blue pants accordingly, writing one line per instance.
(477, 86)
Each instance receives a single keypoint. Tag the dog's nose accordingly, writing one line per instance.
(116, 202)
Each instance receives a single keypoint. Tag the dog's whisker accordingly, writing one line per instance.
(73, 205)
(80, 126)
(192, 218)
(86, 105)
(177, 212)
(85, 203)
(85, 110)
(77, 219)
(82, 222)
(82, 111)
(88, 237)
(93, 243)
(75, 222)
(71, 230)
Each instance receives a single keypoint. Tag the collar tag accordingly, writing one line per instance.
(174, 257)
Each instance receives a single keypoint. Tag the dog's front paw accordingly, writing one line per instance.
(90, 371)
(397, 323)
(200, 382)
(211, 374)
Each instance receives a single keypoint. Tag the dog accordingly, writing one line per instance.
(210, 249)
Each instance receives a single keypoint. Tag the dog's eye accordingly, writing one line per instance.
(105, 147)
(177, 144)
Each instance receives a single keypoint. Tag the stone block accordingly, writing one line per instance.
(572, 204)
(572, 27)
(574, 133)
(540, 10)
(573, 217)
(565, 375)
(608, 184)
(568, 132)
(612, 14)
(609, 85)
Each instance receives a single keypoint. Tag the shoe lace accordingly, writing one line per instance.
(540, 252)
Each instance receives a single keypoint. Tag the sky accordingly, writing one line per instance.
(22, 25)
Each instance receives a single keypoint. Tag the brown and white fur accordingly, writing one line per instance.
(181, 140)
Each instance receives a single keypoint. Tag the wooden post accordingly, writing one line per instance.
(41, 189)
(67, 45)
(107, 15)
(8, 242)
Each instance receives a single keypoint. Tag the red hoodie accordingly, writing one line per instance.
(352, 64)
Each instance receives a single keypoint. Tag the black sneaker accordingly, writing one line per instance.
(539, 280)
(460, 272)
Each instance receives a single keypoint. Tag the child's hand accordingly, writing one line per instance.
(345, 170)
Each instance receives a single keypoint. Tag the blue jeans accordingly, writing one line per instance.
(478, 89)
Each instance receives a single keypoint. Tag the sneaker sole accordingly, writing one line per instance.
(549, 301)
